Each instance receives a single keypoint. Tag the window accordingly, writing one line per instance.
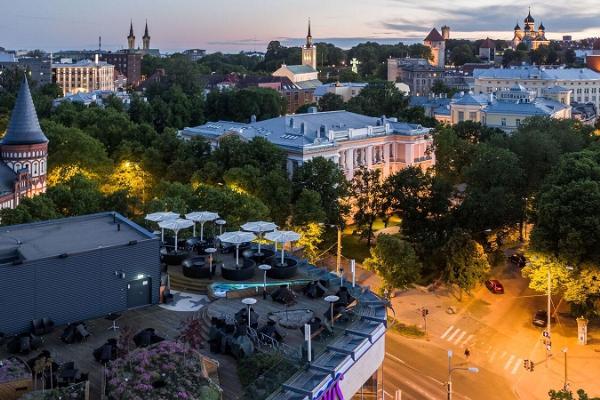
(472, 116)
(503, 122)
(461, 116)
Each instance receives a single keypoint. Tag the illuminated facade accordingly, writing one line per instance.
(84, 76)
(24, 152)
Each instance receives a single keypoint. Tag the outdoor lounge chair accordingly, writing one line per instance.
(48, 324)
(37, 327)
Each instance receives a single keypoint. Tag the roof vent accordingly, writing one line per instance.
(312, 110)
(252, 118)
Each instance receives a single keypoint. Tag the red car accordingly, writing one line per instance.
(494, 286)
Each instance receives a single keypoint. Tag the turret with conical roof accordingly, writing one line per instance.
(24, 127)
(146, 38)
(24, 149)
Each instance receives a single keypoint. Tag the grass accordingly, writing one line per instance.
(411, 331)
(355, 248)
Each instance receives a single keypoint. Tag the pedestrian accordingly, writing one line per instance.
(467, 353)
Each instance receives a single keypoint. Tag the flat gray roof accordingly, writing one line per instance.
(52, 238)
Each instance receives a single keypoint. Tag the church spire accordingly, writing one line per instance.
(146, 38)
(309, 41)
(131, 37)
(24, 127)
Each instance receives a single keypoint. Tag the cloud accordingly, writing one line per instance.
(466, 17)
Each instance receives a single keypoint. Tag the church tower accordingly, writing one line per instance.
(309, 52)
(435, 41)
(146, 38)
(24, 148)
(131, 37)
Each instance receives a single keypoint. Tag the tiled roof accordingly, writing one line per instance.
(300, 69)
(7, 179)
(24, 127)
(434, 36)
(471, 99)
(310, 84)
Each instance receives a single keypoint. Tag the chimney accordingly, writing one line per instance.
(303, 128)
(96, 61)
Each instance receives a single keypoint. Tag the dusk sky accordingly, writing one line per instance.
(233, 25)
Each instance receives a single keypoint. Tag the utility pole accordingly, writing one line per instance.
(566, 385)
(549, 318)
(339, 249)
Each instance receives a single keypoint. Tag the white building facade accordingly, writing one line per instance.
(350, 140)
(583, 83)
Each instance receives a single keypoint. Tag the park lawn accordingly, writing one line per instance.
(355, 248)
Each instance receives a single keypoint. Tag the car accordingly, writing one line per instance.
(540, 318)
(494, 286)
(518, 259)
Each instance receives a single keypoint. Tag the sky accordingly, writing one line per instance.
(234, 25)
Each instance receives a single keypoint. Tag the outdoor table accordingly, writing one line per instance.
(113, 317)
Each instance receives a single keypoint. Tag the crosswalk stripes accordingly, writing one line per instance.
(509, 361)
(459, 337)
(447, 331)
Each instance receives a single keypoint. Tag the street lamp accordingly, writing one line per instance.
(331, 300)
(265, 268)
(451, 369)
(566, 385)
(249, 301)
(210, 251)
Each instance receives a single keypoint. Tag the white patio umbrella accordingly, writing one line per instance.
(202, 217)
(161, 216)
(282, 237)
(259, 227)
(176, 225)
(237, 238)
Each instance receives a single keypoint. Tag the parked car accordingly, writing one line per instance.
(494, 286)
(518, 259)
(540, 318)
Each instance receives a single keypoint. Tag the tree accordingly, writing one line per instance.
(494, 197)
(331, 102)
(311, 236)
(367, 193)
(565, 227)
(236, 208)
(452, 154)
(76, 196)
(395, 261)
(308, 208)
(38, 208)
(463, 54)
(325, 178)
(568, 395)
(377, 99)
(422, 201)
(466, 262)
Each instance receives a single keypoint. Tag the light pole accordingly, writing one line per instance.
(451, 369)
(331, 300)
(265, 268)
(566, 385)
(249, 301)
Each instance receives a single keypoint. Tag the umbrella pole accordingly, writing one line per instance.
(201, 231)
(282, 252)
(259, 240)
(237, 255)
(194, 233)
(175, 241)
(162, 235)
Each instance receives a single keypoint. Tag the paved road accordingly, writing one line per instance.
(420, 370)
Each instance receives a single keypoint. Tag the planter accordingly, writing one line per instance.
(171, 257)
(264, 254)
(196, 268)
(287, 270)
(241, 273)
(15, 379)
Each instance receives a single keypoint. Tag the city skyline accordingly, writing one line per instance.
(50, 25)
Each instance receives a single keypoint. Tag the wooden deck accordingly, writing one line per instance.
(165, 322)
